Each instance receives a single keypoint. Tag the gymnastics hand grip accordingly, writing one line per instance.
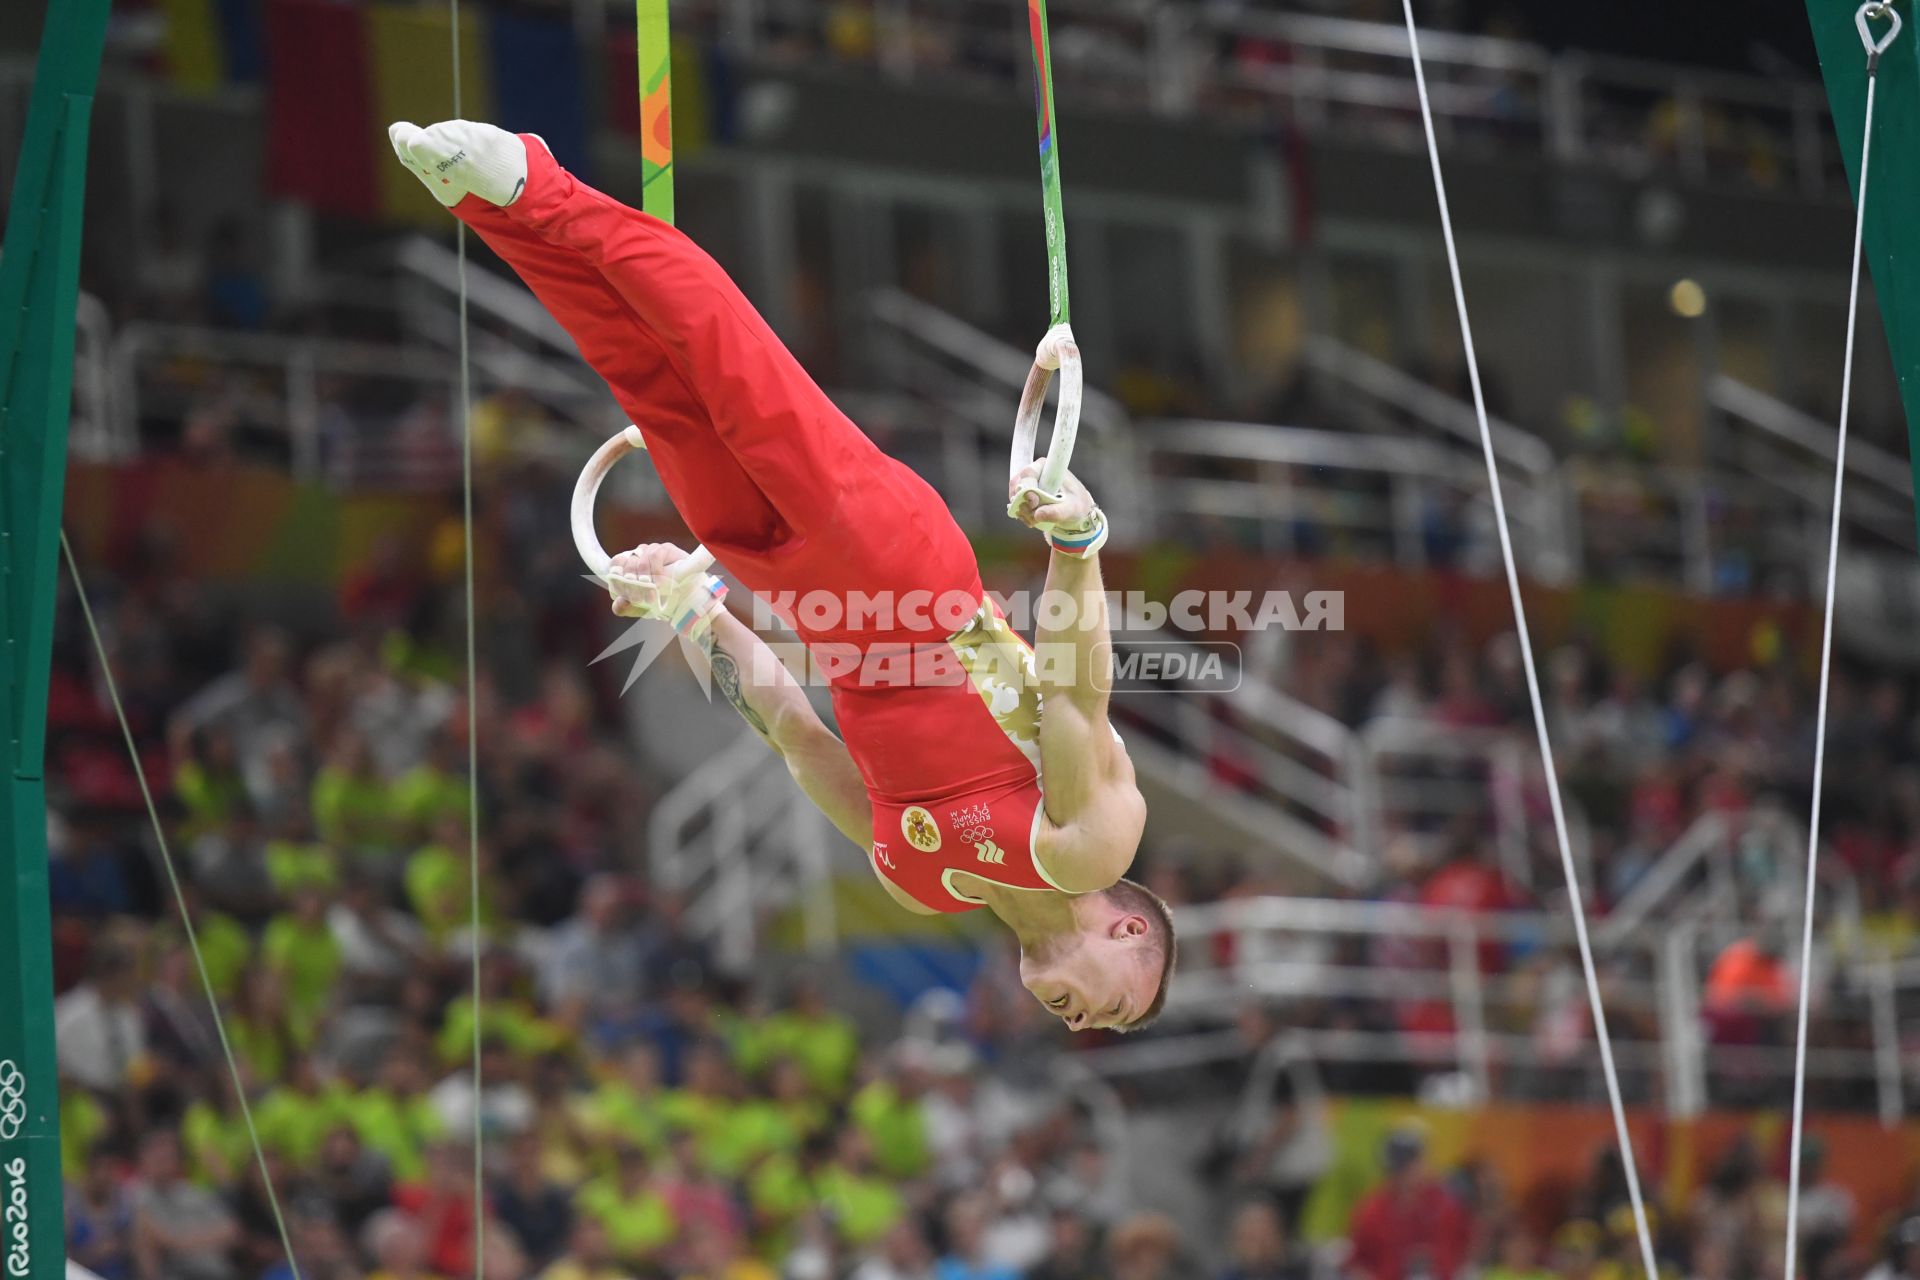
(1057, 351)
(587, 489)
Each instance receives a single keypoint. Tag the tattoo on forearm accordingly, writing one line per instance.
(726, 676)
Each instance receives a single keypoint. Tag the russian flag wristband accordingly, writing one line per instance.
(696, 609)
(1081, 543)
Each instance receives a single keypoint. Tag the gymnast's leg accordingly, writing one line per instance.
(858, 520)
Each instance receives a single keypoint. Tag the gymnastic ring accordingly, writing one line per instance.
(587, 489)
(1057, 351)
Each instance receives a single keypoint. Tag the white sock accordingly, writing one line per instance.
(457, 157)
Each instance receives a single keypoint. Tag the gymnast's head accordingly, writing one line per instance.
(1112, 971)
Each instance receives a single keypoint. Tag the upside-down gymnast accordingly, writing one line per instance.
(940, 777)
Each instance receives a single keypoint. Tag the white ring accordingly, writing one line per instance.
(1057, 351)
(587, 488)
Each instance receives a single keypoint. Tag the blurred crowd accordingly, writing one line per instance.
(642, 1111)
(1643, 755)
(1702, 777)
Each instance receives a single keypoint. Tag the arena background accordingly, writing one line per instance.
(712, 1048)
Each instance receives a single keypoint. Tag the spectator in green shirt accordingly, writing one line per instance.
(354, 808)
(437, 882)
(259, 1026)
(888, 1112)
(300, 947)
(214, 1138)
(226, 948)
(507, 1015)
(824, 1042)
(294, 1118)
(295, 864)
(704, 1103)
(207, 781)
(394, 1116)
(865, 1204)
(433, 790)
(83, 1121)
(629, 1206)
(628, 1106)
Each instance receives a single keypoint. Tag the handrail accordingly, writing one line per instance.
(980, 379)
(1380, 380)
(1284, 947)
(1298, 446)
(1388, 40)
(1333, 861)
(1780, 419)
(99, 433)
(1393, 737)
(1168, 53)
(1886, 506)
(1707, 836)
(1006, 364)
(705, 838)
(487, 292)
(298, 358)
(709, 787)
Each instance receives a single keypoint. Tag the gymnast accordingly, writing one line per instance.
(972, 775)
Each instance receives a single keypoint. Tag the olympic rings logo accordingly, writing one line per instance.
(13, 1099)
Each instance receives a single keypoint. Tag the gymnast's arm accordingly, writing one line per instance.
(750, 676)
(1095, 814)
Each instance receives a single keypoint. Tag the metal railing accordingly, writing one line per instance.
(1453, 1004)
(1291, 490)
(1792, 453)
(1727, 868)
(1380, 398)
(98, 434)
(1712, 532)
(293, 391)
(966, 384)
(515, 340)
(273, 387)
(1343, 76)
(736, 840)
(1286, 774)
(1428, 776)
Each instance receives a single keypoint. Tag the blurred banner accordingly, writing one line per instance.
(210, 43)
(1545, 1154)
(339, 74)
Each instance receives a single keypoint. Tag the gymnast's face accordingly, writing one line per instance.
(1102, 976)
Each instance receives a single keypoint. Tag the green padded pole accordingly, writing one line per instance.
(39, 284)
(1895, 193)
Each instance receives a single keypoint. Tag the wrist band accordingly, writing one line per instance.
(696, 611)
(1082, 542)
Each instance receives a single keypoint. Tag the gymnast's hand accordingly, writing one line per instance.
(1072, 511)
(644, 584)
(1073, 523)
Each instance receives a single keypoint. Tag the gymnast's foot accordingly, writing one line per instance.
(460, 157)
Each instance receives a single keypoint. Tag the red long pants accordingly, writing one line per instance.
(791, 497)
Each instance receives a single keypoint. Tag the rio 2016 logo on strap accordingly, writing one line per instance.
(13, 1099)
(19, 1247)
(13, 1196)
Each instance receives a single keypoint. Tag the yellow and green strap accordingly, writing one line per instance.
(654, 38)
